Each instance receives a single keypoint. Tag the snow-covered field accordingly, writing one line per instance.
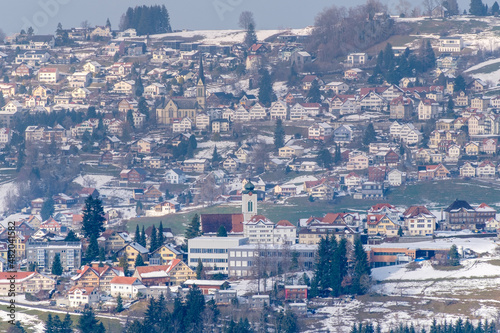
(403, 295)
(221, 37)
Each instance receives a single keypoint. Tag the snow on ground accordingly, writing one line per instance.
(266, 139)
(483, 64)
(96, 181)
(478, 245)
(302, 179)
(221, 37)
(364, 116)
(280, 89)
(472, 268)
(6, 190)
(31, 321)
(223, 148)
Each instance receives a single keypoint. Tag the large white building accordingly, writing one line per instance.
(212, 251)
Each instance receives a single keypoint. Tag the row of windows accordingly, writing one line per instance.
(208, 251)
(193, 260)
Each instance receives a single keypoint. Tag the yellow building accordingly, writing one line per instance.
(131, 251)
(167, 254)
(382, 225)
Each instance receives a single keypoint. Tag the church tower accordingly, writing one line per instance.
(248, 202)
(201, 88)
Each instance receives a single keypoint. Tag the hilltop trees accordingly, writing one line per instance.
(338, 30)
(477, 8)
(146, 20)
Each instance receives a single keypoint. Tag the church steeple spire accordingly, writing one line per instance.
(201, 74)
(201, 88)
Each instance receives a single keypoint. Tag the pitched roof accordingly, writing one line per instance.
(457, 205)
(123, 280)
(415, 211)
(285, 223)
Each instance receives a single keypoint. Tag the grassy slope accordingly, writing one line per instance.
(439, 193)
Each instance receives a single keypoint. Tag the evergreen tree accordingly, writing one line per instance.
(137, 235)
(108, 23)
(453, 256)
(2, 100)
(67, 324)
(476, 8)
(495, 10)
(199, 269)
(195, 305)
(400, 232)
(71, 237)
(143, 237)
(49, 324)
(338, 154)
(362, 271)
(429, 57)
(325, 158)
(130, 118)
(88, 323)
(193, 230)
(459, 84)
(124, 264)
(48, 209)
(119, 303)
(370, 135)
(57, 268)
(161, 236)
(250, 36)
(93, 218)
(153, 244)
(222, 232)
(16, 328)
(314, 94)
(215, 157)
(279, 134)
(265, 88)
(92, 249)
(139, 87)
(139, 261)
(102, 255)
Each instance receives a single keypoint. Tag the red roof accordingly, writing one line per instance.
(374, 219)
(416, 210)
(379, 206)
(285, 223)
(18, 275)
(123, 280)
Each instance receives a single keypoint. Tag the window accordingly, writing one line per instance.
(250, 206)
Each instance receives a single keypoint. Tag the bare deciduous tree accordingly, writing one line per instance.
(246, 18)
(403, 7)
(429, 6)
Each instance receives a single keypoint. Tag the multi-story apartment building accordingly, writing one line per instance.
(212, 251)
(43, 253)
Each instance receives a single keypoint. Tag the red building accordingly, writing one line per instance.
(293, 293)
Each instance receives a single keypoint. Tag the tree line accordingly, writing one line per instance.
(338, 31)
(195, 315)
(340, 271)
(392, 69)
(460, 326)
(147, 20)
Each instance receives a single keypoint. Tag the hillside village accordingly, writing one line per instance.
(152, 126)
